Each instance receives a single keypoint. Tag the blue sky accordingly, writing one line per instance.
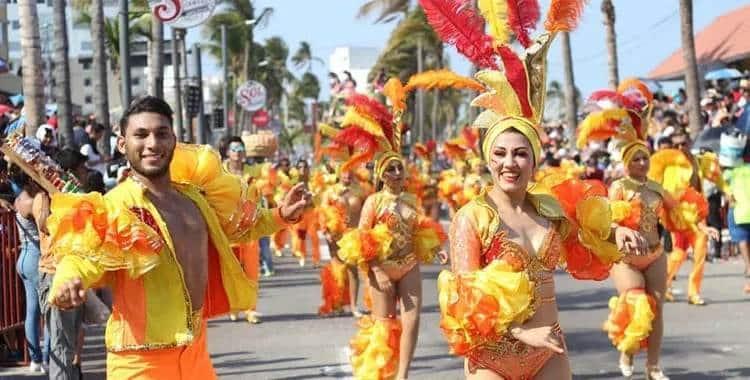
(648, 31)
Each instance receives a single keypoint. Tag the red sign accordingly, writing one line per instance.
(261, 118)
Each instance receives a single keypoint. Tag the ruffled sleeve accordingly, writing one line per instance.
(237, 209)
(690, 209)
(362, 245)
(588, 252)
(429, 236)
(478, 307)
(111, 237)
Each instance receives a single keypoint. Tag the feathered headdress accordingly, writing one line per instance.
(370, 129)
(426, 150)
(619, 115)
(515, 96)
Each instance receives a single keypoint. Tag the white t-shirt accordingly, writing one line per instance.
(94, 160)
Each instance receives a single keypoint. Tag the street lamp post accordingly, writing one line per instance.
(178, 126)
(125, 54)
(199, 83)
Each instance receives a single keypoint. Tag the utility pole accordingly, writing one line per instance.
(199, 82)
(125, 54)
(225, 85)
(176, 35)
(188, 130)
(420, 94)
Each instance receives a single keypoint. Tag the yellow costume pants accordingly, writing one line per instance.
(680, 244)
(249, 256)
(279, 240)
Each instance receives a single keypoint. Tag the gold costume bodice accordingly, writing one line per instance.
(651, 196)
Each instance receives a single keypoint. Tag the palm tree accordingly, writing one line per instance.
(108, 29)
(387, 10)
(303, 57)
(608, 11)
(62, 74)
(571, 106)
(289, 137)
(31, 63)
(691, 67)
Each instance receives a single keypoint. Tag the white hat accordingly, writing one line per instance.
(668, 131)
(706, 101)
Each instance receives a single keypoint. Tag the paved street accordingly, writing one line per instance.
(293, 343)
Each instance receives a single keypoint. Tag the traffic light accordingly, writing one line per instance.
(192, 100)
(217, 118)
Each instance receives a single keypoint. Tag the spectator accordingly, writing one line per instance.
(32, 209)
(64, 325)
(46, 136)
(739, 213)
(94, 159)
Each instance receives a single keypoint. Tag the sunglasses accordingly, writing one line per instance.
(237, 148)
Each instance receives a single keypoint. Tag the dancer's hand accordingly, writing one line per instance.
(70, 294)
(712, 233)
(294, 203)
(541, 337)
(384, 283)
(630, 242)
(443, 256)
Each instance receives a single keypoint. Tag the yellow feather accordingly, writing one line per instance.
(394, 91)
(595, 127)
(352, 117)
(327, 130)
(441, 79)
(495, 12)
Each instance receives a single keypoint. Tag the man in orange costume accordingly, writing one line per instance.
(698, 240)
(161, 241)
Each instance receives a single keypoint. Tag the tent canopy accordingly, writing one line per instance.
(724, 41)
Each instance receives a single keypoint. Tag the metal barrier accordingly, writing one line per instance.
(12, 298)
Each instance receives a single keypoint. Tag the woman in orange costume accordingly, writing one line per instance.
(392, 237)
(635, 319)
(498, 306)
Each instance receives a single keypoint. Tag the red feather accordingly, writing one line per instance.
(375, 110)
(517, 77)
(615, 97)
(522, 18)
(458, 25)
(359, 139)
(471, 135)
(564, 15)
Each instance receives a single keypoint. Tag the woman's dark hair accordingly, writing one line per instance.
(145, 104)
(95, 182)
(229, 141)
(70, 159)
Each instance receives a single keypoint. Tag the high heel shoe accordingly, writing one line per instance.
(655, 373)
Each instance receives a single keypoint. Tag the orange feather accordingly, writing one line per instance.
(441, 79)
(564, 15)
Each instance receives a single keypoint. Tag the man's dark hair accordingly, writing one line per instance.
(70, 159)
(235, 139)
(144, 104)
